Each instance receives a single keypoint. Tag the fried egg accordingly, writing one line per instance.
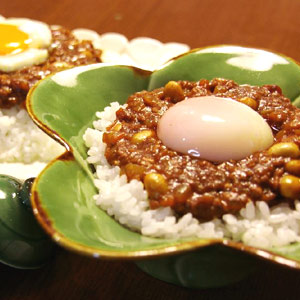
(23, 43)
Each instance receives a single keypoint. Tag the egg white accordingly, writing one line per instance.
(37, 53)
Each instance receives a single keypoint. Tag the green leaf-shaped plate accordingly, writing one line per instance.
(64, 105)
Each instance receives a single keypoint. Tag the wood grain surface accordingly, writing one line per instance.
(267, 24)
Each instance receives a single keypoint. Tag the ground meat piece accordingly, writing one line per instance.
(189, 184)
(65, 52)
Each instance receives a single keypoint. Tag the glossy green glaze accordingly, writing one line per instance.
(74, 216)
(64, 105)
(23, 243)
(256, 67)
(206, 267)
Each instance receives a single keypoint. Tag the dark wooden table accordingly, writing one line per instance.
(268, 24)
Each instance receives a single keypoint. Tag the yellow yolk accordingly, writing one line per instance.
(12, 40)
(213, 128)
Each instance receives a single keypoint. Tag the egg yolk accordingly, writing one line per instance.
(213, 128)
(12, 40)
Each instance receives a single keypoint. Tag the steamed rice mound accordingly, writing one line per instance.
(22, 141)
(256, 224)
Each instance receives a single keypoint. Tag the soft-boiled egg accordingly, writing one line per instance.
(214, 128)
(23, 42)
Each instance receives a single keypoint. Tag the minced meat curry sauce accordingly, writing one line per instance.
(65, 52)
(204, 188)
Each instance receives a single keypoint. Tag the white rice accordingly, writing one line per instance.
(21, 141)
(256, 225)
